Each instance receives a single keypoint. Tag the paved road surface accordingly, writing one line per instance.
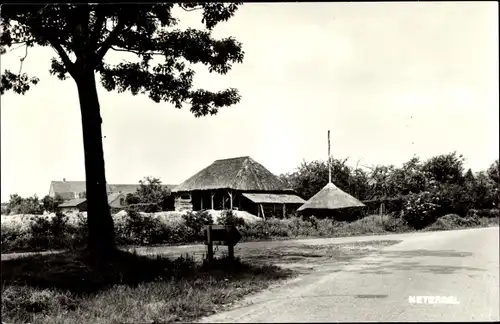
(463, 264)
(200, 249)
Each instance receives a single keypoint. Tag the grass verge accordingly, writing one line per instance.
(71, 288)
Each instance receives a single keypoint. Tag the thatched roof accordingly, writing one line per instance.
(269, 198)
(242, 173)
(329, 198)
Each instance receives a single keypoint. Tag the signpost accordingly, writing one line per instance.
(221, 235)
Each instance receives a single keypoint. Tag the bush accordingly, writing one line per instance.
(142, 230)
(452, 221)
(421, 209)
(229, 218)
(490, 213)
(195, 221)
(145, 207)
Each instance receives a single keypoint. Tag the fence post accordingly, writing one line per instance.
(230, 251)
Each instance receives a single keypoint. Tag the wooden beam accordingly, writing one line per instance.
(262, 209)
(230, 199)
(284, 211)
(211, 199)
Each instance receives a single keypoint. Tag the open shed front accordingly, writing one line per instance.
(271, 205)
(217, 199)
(260, 204)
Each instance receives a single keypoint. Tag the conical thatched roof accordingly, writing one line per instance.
(329, 198)
(241, 173)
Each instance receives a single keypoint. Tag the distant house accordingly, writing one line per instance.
(69, 190)
(237, 183)
(116, 202)
(73, 205)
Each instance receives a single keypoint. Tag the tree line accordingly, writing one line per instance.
(440, 175)
(443, 174)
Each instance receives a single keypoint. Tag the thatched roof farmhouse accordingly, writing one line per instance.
(237, 183)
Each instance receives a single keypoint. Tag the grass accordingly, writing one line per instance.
(70, 287)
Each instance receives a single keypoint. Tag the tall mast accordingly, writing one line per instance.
(329, 168)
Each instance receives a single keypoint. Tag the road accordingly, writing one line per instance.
(200, 249)
(463, 264)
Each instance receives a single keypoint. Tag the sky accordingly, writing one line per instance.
(389, 80)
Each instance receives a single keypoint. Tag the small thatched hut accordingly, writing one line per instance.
(237, 183)
(331, 202)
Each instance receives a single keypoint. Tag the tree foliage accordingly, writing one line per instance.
(441, 177)
(50, 204)
(88, 31)
(29, 205)
(151, 192)
(83, 34)
(445, 168)
(494, 172)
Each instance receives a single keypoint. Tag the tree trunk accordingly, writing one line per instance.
(100, 224)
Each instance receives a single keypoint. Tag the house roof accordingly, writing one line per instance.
(241, 173)
(73, 202)
(79, 186)
(331, 197)
(71, 186)
(267, 198)
(113, 200)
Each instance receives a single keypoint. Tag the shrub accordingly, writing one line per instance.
(142, 230)
(229, 218)
(145, 207)
(195, 222)
(40, 233)
(80, 230)
(452, 221)
(421, 209)
(490, 213)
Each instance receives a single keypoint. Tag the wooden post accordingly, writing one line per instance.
(262, 209)
(230, 199)
(329, 167)
(284, 211)
(223, 203)
(230, 251)
(201, 200)
(210, 246)
(239, 201)
(211, 199)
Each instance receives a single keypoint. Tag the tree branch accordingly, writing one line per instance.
(134, 51)
(107, 43)
(189, 9)
(100, 20)
(22, 59)
(64, 57)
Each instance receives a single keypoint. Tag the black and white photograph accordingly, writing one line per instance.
(250, 162)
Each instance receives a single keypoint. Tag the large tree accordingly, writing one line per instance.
(82, 35)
